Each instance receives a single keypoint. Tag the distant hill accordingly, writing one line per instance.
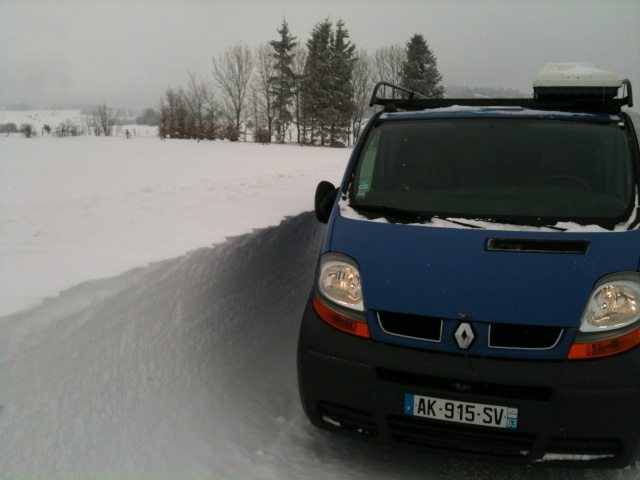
(18, 107)
(39, 118)
(73, 117)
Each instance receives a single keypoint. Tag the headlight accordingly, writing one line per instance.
(338, 296)
(613, 304)
(339, 281)
(611, 322)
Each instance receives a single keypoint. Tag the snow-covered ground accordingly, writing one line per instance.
(40, 118)
(150, 296)
(81, 208)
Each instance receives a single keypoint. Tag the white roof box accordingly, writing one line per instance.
(576, 79)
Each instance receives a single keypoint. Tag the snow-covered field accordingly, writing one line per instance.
(75, 209)
(39, 118)
(150, 298)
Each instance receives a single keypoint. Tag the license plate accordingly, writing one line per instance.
(461, 412)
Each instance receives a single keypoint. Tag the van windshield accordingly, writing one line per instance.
(527, 171)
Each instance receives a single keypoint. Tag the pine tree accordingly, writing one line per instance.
(342, 60)
(419, 71)
(282, 84)
(316, 81)
(327, 84)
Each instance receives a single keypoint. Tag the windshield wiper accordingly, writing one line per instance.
(407, 215)
(463, 224)
(410, 216)
(501, 222)
(393, 212)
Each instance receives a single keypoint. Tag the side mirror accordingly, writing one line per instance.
(325, 197)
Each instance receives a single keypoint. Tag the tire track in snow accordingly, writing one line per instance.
(187, 369)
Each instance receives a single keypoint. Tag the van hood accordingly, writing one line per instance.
(517, 277)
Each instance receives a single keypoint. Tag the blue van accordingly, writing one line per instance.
(478, 285)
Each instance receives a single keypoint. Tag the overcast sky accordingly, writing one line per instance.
(126, 53)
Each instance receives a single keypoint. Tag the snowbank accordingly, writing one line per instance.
(186, 369)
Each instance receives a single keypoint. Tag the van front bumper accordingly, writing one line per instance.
(574, 413)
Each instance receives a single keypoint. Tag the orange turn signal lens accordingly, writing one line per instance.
(604, 348)
(339, 321)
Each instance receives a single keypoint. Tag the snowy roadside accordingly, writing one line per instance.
(186, 369)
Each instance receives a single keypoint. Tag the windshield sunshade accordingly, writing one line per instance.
(525, 171)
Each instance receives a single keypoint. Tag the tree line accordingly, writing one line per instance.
(312, 93)
(99, 121)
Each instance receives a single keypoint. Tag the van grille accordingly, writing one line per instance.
(456, 385)
(413, 326)
(528, 337)
(498, 443)
(499, 335)
(460, 438)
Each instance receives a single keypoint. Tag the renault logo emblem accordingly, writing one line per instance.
(464, 335)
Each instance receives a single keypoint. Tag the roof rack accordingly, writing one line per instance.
(563, 100)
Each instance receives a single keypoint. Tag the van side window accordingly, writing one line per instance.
(364, 176)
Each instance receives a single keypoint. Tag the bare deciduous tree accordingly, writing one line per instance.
(297, 66)
(262, 95)
(388, 64)
(27, 130)
(362, 87)
(232, 73)
(212, 113)
(69, 128)
(174, 115)
(197, 97)
(104, 119)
